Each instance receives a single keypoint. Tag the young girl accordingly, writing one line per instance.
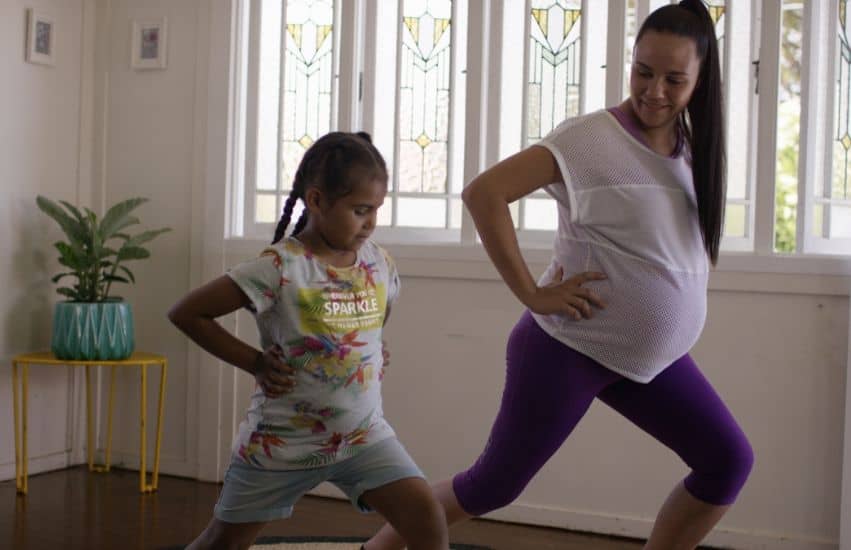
(320, 298)
(640, 196)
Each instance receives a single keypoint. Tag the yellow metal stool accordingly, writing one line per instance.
(140, 359)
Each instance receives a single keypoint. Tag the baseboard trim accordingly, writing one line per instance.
(519, 512)
(38, 464)
(172, 466)
(636, 527)
(62, 459)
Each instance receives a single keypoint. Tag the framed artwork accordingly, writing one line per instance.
(41, 38)
(148, 43)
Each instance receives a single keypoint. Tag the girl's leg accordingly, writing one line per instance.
(250, 498)
(681, 409)
(387, 538)
(548, 388)
(220, 535)
(410, 507)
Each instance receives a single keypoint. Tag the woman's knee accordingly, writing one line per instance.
(478, 494)
(720, 481)
(737, 460)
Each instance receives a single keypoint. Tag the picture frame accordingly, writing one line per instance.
(41, 38)
(148, 44)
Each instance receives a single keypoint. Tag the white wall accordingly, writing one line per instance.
(148, 144)
(92, 131)
(775, 345)
(40, 153)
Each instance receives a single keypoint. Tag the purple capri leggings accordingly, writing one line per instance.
(548, 388)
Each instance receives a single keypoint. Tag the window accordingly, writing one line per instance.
(553, 90)
(831, 227)
(799, 168)
(423, 81)
(293, 62)
(436, 84)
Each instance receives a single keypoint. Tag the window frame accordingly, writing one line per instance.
(483, 80)
(817, 168)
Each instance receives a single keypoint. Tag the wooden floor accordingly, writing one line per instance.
(74, 509)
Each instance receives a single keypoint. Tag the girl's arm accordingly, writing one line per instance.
(487, 198)
(195, 316)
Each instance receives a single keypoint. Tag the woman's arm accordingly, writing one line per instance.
(487, 198)
(195, 316)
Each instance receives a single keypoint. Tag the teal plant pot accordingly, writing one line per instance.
(92, 331)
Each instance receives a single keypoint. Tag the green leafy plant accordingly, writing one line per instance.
(96, 249)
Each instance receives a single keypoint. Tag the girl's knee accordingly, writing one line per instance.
(226, 536)
(425, 523)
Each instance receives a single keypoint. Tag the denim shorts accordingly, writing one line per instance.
(252, 494)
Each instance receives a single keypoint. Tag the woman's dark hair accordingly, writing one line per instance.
(335, 163)
(703, 118)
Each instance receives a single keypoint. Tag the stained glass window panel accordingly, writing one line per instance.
(818, 220)
(717, 10)
(308, 80)
(632, 25)
(840, 222)
(554, 65)
(424, 96)
(541, 214)
(266, 208)
(841, 188)
(417, 212)
(385, 214)
(268, 96)
(738, 78)
(735, 216)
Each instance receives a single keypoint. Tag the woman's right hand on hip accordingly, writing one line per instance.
(567, 297)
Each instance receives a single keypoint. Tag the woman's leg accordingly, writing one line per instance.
(548, 389)
(682, 410)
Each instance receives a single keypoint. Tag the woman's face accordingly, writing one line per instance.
(665, 70)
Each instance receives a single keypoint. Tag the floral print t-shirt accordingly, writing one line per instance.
(328, 320)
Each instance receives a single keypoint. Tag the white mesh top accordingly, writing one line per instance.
(631, 213)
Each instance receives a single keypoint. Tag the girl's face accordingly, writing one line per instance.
(348, 222)
(665, 70)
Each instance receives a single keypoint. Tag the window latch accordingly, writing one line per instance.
(756, 76)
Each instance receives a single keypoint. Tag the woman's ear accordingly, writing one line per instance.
(313, 200)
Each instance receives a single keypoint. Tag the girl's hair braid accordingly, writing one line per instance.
(335, 163)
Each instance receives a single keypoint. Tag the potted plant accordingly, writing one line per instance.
(92, 324)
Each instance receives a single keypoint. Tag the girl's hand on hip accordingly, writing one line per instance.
(385, 354)
(568, 297)
(274, 376)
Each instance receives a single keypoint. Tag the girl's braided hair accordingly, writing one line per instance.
(335, 163)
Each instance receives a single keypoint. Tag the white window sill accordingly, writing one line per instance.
(736, 271)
